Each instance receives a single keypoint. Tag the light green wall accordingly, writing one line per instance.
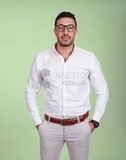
(26, 28)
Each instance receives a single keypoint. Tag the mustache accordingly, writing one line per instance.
(65, 36)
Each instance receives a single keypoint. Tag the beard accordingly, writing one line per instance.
(65, 43)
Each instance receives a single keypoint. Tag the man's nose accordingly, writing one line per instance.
(65, 30)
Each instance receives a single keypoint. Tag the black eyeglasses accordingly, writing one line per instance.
(61, 27)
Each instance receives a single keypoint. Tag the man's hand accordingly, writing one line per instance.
(91, 126)
(37, 126)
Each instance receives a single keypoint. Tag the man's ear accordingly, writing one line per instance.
(54, 31)
(76, 31)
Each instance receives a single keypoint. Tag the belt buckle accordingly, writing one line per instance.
(61, 123)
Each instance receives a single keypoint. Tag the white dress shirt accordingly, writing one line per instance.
(66, 85)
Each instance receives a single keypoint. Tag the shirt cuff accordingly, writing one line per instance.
(37, 120)
(96, 117)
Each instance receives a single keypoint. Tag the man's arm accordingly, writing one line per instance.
(100, 86)
(32, 89)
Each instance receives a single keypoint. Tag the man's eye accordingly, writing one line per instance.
(71, 27)
(60, 27)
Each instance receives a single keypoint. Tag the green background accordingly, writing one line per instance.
(26, 28)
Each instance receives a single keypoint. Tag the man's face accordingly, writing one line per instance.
(65, 31)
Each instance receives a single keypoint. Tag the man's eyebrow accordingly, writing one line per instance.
(65, 25)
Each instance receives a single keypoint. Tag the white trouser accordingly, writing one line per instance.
(53, 136)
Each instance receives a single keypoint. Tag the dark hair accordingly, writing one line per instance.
(65, 14)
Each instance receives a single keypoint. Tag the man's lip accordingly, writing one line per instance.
(66, 38)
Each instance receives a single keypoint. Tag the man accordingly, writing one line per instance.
(65, 71)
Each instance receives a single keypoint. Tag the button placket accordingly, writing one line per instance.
(64, 88)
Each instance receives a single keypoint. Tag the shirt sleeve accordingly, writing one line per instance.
(33, 86)
(101, 89)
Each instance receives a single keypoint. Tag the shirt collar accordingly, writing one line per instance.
(59, 55)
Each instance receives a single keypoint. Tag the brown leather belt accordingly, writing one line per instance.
(66, 122)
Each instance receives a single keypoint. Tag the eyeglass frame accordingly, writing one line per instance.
(66, 26)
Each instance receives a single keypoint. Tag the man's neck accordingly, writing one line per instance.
(64, 51)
